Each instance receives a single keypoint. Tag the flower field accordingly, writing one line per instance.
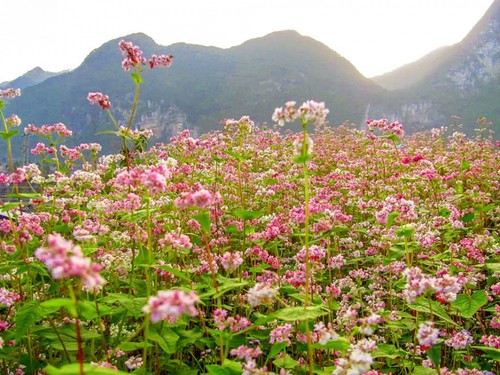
(251, 250)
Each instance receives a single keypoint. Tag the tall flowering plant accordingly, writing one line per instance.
(134, 61)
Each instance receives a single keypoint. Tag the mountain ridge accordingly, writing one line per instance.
(208, 84)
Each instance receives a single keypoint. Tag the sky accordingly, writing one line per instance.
(376, 36)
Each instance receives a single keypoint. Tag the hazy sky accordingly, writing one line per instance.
(375, 35)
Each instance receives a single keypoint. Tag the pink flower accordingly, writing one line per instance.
(230, 261)
(427, 335)
(261, 294)
(10, 93)
(65, 260)
(201, 198)
(132, 55)
(8, 298)
(314, 112)
(13, 121)
(162, 60)
(310, 112)
(460, 340)
(99, 98)
(170, 305)
(281, 334)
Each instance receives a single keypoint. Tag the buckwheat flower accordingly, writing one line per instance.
(65, 260)
(460, 340)
(231, 261)
(13, 121)
(132, 55)
(201, 198)
(427, 335)
(170, 305)
(246, 353)
(162, 60)
(134, 362)
(99, 98)
(287, 114)
(314, 112)
(281, 334)
(357, 363)
(10, 93)
(261, 294)
(416, 283)
(8, 298)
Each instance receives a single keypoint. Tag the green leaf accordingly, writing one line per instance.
(247, 215)
(285, 362)
(495, 267)
(174, 271)
(107, 132)
(302, 159)
(390, 219)
(240, 158)
(136, 77)
(434, 354)
(28, 314)
(74, 368)
(228, 368)
(131, 346)
(467, 218)
(57, 303)
(444, 212)
(467, 305)
(340, 343)
(388, 351)
(8, 135)
(292, 314)
(276, 349)
(422, 305)
(133, 305)
(405, 230)
(465, 164)
(396, 252)
(167, 340)
(204, 219)
(489, 352)
(23, 195)
(392, 137)
(421, 370)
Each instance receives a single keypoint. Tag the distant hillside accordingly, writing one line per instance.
(31, 78)
(410, 74)
(204, 86)
(207, 84)
(464, 81)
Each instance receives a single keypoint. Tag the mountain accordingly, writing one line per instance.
(207, 84)
(31, 78)
(410, 74)
(203, 86)
(462, 80)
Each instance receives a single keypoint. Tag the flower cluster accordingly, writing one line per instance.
(133, 57)
(309, 112)
(10, 93)
(162, 60)
(48, 130)
(169, 305)
(383, 125)
(427, 335)
(99, 98)
(261, 294)
(65, 260)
